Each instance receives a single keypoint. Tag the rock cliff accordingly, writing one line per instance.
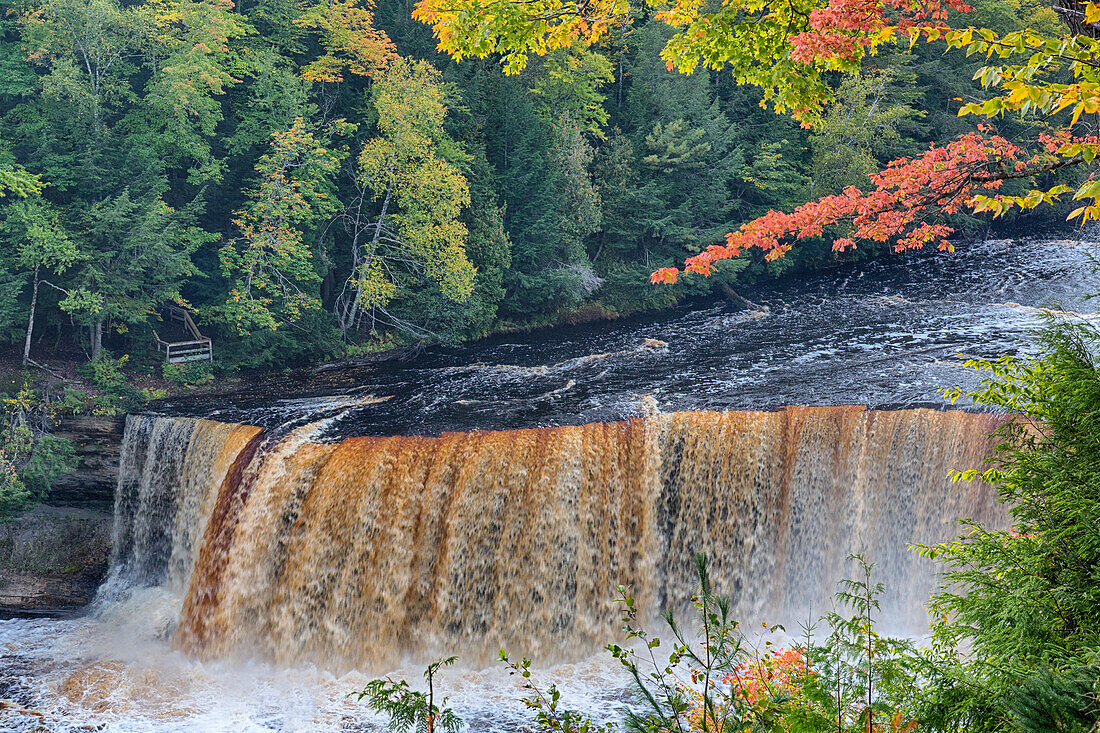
(53, 557)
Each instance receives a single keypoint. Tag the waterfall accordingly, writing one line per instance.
(358, 553)
(169, 474)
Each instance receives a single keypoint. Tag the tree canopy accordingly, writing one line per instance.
(312, 179)
(788, 49)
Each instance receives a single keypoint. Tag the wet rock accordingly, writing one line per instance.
(97, 442)
(52, 558)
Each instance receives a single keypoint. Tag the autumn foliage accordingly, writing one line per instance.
(270, 264)
(903, 205)
(788, 48)
(843, 29)
(899, 208)
(780, 47)
(755, 684)
(779, 672)
(352, 44)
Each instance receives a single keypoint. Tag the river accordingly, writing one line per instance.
(886, 334)
(244, 596)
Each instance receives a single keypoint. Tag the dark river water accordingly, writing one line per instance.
(887, 334)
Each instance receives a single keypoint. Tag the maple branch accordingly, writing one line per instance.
(903, 203)
(1006, 175)
(573, 10)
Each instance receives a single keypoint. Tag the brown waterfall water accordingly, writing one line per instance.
(359, 553)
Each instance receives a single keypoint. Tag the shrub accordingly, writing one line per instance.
(70, 402)
(30, 457)
(105, 372)
(189, 374)
(1019, 611)
(723, 682)
(411, 710)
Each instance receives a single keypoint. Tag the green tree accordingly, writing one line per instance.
(567, 89)
(1018, 616)
(270, 266)
(87, 47)
(490, 251)
(30, 458)
(416, 236)
(87, 133)
(137, 255)
(549, 186)
(17, 181)
(192, 65)
(410, 710)
(518, 141)
(37, 239)
(692, 168)
(275, 97)
(860, 132)
(615, 175)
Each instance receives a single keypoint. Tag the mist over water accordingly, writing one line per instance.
(275, 554)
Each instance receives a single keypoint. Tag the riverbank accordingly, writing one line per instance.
(53, 556)
(596, 315)
(52, 559)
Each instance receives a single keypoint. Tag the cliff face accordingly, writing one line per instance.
(98, 443)
(53, 557)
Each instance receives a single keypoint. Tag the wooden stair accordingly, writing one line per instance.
(198, 348)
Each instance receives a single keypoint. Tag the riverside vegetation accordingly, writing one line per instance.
(1015, 632)
(315, 180)
(320, 180)
(31, 405)
(30, 457)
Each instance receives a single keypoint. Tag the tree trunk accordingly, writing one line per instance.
(327, 287)
(378, 226)
(30, 320)
(355, 314)
(1072, 13)
(349, 312)
(97, 338)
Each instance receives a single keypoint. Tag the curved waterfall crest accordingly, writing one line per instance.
(358, 553)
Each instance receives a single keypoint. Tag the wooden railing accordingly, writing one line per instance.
(177, 352)
(199, 348)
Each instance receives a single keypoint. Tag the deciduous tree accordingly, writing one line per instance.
(37, 241)
(352, 44)
(786, 49)
(271, 266)
(193, 65)
(86, 45)
(416, 232)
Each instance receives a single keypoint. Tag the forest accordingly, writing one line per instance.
(318, 181)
